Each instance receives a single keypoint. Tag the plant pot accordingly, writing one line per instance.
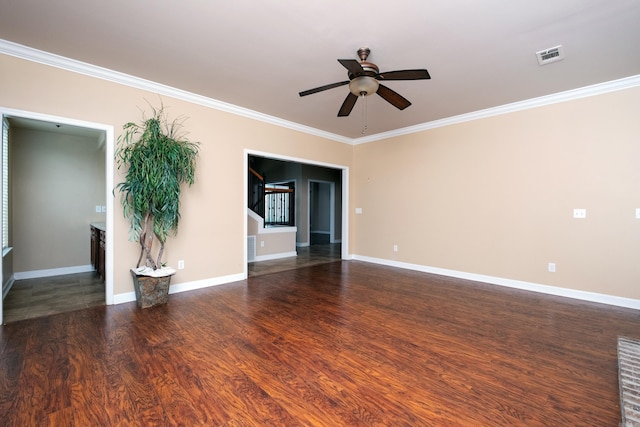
(151, 291)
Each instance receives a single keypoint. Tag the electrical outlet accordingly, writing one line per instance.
(98, 209)
(395, 248)
(181, 264)
(552, 267)
(579, 213)
(262, 243)
(637, 213)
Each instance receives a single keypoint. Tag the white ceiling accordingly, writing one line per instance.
(58, 128)
(260, 54)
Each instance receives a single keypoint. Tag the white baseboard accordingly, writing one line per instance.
(302, 245)
(517, 284)
(122, 298)
(184, 287)
(259, 258)
(52, 272)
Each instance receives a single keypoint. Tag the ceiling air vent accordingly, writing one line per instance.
(550, 55)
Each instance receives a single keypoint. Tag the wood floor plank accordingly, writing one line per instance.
(344, 343)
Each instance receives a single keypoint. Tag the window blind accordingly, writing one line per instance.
(5, 183)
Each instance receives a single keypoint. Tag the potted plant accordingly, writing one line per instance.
(158, 159)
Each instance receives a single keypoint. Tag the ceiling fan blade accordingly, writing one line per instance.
(347, 105)
(393, 97)
(404, 75)
(352, 65)
(321, 88)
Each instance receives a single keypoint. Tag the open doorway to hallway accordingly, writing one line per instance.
(57, 186)
(318, 208)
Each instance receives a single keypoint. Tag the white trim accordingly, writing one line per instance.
(184, 287)
(277, 229)
(46, 58)
(269, 230)
(123, 298)
(291, 159)
(344, 239)
(270, 257)
(345, 196)
(510, 283)
(245, 216)
(206, 283)
(7, 288)
(109, 179)
(570, 95)
(35, 274)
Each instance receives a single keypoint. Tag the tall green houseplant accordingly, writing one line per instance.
(158, 159)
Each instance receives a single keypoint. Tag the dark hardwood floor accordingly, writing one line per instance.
(344, 343)
(44, 296)
(307, 255)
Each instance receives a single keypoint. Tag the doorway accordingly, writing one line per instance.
(321, 212)
(34, 264)
(329, 219)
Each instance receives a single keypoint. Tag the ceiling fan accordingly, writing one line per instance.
(364, 80)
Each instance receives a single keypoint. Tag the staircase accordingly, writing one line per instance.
(275, 203)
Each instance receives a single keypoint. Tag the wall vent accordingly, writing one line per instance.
(251, 248)
(550, 55)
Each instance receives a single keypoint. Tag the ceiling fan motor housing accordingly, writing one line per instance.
(364, 79)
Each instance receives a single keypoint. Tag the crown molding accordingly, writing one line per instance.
(597, 89)
(53, 60)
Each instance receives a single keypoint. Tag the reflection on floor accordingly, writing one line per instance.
(51, 295)
(44, 296)
(310, 255)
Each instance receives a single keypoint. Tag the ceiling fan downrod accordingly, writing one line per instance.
(363, 53)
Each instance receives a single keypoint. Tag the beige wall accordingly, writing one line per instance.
(57, 181)
(272, 240)
(492, 196)
(211, 235)
(496, 196)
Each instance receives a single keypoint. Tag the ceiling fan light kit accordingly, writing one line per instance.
(364, 80)
(363, 86)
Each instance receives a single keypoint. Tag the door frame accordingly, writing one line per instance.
(345, 196)
(332, 209)
(109, 135)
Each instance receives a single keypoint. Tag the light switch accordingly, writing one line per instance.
(359, 211)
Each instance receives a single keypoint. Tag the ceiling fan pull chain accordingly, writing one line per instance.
(364, 114)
